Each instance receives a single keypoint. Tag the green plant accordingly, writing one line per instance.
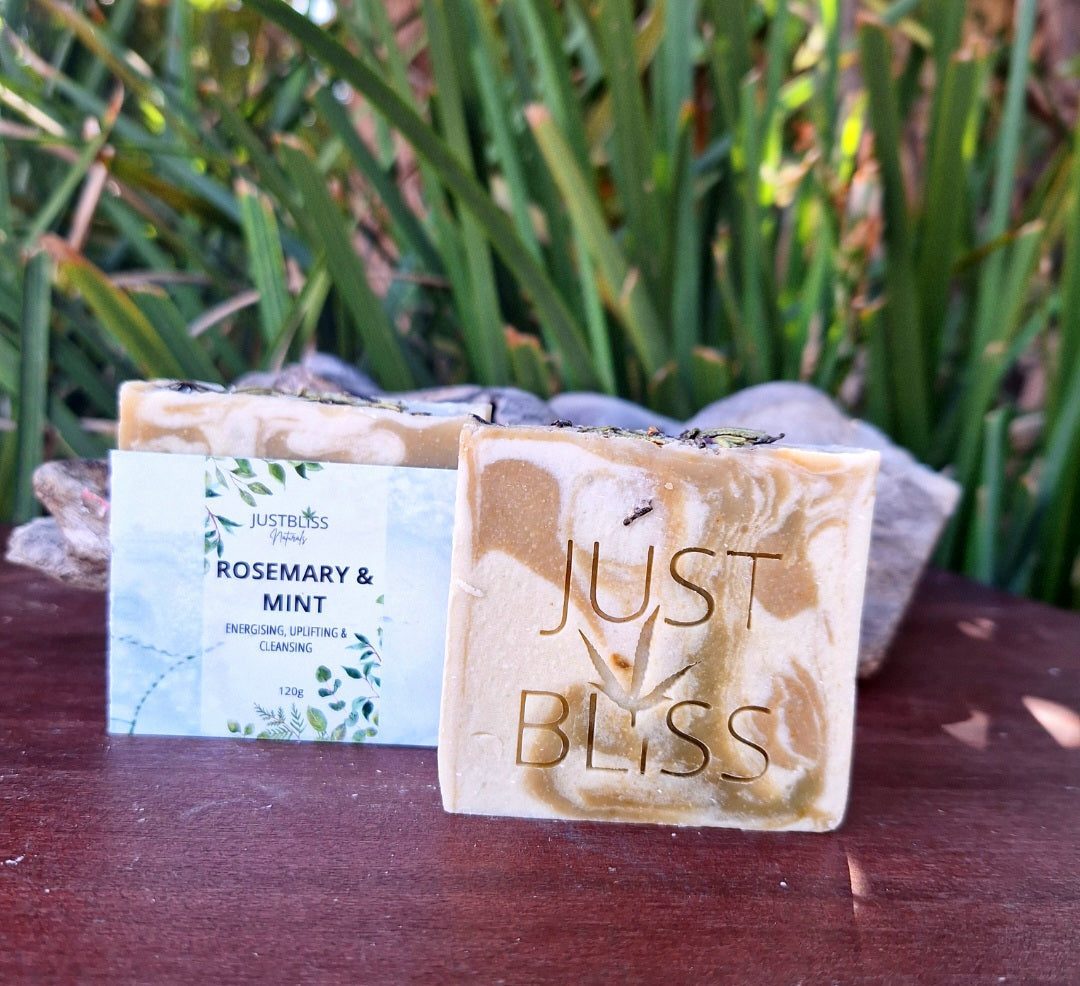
(665, 201)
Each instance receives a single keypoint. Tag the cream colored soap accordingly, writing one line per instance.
(178, 416)
(653, 630)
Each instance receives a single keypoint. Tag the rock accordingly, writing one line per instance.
(41, 545)
(341, 375)
(319, 372)
(601, 410)
(509, 405)
(76, 493)
(913, 501)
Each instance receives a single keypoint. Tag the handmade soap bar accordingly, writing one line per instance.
(178, 416)
(653, 630)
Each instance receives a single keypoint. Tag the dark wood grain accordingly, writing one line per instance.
(158, 860)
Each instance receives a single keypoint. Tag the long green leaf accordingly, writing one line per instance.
(944, 207)
(985, 534)
(907, 364)
(266, 261)
(632, 139)
(33, 374)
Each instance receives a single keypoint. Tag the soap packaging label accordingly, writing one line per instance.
(277, 599)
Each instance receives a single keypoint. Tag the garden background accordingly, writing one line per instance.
(664, 201)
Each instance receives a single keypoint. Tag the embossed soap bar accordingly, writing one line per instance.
(656, 630)
(176, 416)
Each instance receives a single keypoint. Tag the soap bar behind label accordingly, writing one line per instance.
(277, 599)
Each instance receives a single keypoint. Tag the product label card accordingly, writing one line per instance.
(277, 599)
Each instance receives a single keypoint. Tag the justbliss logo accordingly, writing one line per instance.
(306, 521)
(290, 528)
(634, 700)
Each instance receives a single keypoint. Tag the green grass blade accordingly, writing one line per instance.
(945, 206)
(299, 328)
(497, 116)
(673, 73)
(729, 56)
(684, 269)
(985, 534)
(754, 343)
(1067, 376)
(33, 375)
(179, 30)
(595, 319)
(909, 377)
(632, 139)
(828, 87)
(266, 261)
(542, 28)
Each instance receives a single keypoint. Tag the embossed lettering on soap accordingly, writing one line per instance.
(679, 714)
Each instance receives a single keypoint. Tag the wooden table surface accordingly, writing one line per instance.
(161, 860)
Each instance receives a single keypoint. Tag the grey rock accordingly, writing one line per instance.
(40, 544)
(913, 501)
(509, 406)
(344, 376)
(601, 411)
(318, 371)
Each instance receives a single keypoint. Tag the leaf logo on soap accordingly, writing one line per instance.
(633, 701)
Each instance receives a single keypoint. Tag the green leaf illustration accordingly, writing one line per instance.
(233, 726)
(317, 719)
(261, 488)
(339, 733)
(278, 472)
(338, 705)
(247, 498)
(243, 469)
(353, 673)
(323, 673)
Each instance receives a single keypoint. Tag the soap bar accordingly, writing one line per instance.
(185, 417)
(646, 629)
